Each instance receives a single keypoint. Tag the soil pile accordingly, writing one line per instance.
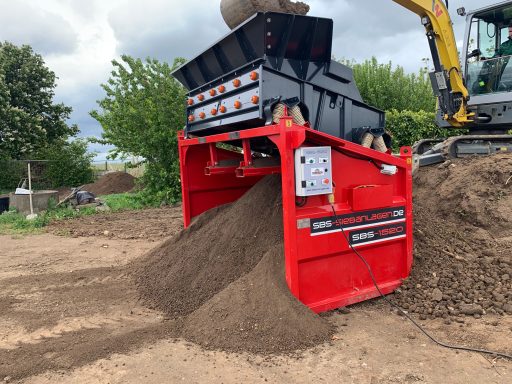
(476, 192)
(259, 313)
(224, 275)
(110, 183)
(463, 247)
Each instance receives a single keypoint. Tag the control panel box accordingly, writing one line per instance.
(313, 171)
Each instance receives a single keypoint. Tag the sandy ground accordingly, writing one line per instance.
(69, 314)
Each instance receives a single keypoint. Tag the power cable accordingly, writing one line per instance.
(432, 338)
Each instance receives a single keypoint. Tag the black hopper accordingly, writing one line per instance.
(274, 58)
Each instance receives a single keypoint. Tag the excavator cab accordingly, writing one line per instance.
(486, 66)
(487, 63)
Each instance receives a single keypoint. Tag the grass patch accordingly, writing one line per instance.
(12, 222)
(128, 201)
(15, 223)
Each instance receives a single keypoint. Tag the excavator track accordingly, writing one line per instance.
(460, 147)
(483, 145)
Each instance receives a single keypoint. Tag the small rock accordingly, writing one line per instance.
(471, 309)
(437, 295)
(499, 297)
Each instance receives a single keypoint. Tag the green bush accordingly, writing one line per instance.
(69, 164)
(407, 127)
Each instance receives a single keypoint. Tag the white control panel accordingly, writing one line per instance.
(313, 171)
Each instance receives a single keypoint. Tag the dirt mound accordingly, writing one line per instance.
(257, 313)
(474, 191)
(205, 273)
(110, 183)
(463, 263)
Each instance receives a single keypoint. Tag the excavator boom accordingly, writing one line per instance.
(447, 80)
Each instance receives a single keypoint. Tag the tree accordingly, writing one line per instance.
(388, 88)
(143, 109)
(69, 164)
(29, 119)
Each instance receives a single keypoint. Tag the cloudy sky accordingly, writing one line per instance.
(79, 38)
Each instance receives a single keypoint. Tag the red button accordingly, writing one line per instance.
(326, 181)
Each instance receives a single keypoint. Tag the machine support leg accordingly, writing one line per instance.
(214, 161)
(246, 143)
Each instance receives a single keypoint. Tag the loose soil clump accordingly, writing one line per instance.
(462, 259)
(224, 277)
(111, 183)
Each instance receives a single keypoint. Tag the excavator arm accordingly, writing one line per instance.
(447, 80)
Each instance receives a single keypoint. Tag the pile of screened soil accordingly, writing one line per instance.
(463, 244)
(223, 277)
(111, 183)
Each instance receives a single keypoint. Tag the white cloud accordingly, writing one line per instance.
(25, 22)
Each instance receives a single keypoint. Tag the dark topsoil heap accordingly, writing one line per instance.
(110, 183)
(224, 277)
(463, 256)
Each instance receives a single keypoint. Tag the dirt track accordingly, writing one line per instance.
(68, 313)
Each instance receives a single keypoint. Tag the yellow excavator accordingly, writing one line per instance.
(476, 95)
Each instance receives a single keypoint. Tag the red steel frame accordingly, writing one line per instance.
(321, 271)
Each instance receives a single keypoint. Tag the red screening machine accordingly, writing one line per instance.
(270, 90)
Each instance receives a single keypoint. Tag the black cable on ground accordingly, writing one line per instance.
(440, 343)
